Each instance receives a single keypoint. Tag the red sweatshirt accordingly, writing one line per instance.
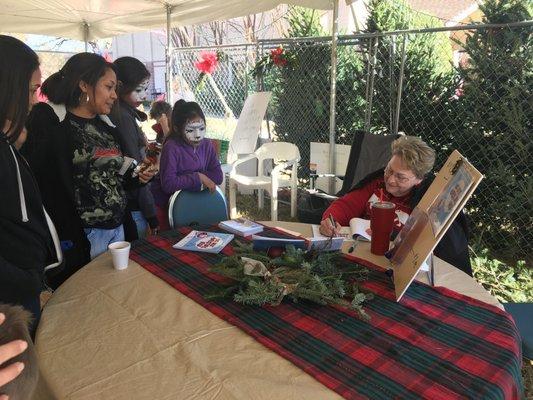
(357, 204)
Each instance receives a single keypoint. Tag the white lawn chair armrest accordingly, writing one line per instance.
(240, 161)
(284, 165)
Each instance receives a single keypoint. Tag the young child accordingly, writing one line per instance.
(161, 111)
(134, 78)
(188, 161)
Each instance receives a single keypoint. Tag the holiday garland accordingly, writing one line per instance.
(296, 274)
(278, 57)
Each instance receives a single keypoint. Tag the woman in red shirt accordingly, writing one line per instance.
(412, 159)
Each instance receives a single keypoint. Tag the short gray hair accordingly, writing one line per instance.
(415, 153)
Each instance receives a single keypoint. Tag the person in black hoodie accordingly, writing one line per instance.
(26, 244)
(89, 174)
(132, 91)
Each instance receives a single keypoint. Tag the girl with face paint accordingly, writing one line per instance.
(134, 79)
(188, 160)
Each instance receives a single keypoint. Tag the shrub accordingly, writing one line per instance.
(497, 117)
(509, 284)
(300, 89)
(428, 73)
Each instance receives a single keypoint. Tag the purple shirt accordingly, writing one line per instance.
(179, 166)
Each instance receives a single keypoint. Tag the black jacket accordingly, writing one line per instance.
(57, 189)
(26, 246)
(40, 120)
(134, 143)
(453, 246)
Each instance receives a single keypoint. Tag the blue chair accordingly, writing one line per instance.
(197, 208)
(522, 314)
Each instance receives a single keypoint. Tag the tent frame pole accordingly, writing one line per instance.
(400, 87)
(333, 96)
(86, 35)
(168, 56)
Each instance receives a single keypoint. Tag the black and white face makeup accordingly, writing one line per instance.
(195, 131)
(140, 93)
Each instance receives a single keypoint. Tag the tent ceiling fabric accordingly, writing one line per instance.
(105, 18)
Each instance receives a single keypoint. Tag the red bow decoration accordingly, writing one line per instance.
(207, 62)
(278, 57)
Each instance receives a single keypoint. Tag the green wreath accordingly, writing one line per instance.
(296, 274)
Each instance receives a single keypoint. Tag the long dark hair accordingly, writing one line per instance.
(130, 72)
(182, 112)
(63, 87)
(17, 64)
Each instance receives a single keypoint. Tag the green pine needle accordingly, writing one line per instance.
(320, 277)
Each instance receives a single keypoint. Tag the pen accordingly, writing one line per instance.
(332, 222)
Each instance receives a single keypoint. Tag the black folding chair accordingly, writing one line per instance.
(369, 153)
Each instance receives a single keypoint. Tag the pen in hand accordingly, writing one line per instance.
(333, 224)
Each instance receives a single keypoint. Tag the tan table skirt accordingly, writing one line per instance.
(107, 334)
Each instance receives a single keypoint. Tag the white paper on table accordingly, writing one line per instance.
(358, 228)
(344, 233)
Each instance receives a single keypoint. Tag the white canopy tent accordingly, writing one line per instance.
(96, 19)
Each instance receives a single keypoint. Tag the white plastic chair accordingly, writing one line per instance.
(277, 151)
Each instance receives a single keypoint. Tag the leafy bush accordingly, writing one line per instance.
(509, 284)
(428, 73)
(300, 101)
(351, 86)
(497, 117)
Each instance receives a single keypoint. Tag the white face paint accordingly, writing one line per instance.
(195, 131)
(140, 93)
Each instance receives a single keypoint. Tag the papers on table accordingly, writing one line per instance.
(359, 229)
(318, 244)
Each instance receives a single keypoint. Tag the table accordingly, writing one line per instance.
(108, 334)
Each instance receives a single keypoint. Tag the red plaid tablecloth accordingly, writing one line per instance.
(433, 344)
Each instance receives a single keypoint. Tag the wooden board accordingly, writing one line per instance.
(429, 221)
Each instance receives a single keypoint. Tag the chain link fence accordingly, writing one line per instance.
(52, 61)
(422, 83)
(221, 94)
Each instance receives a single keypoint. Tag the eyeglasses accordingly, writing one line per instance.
(400, 178)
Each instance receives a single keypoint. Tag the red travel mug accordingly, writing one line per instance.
(381, 222)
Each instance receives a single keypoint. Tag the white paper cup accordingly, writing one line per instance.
(120, 251)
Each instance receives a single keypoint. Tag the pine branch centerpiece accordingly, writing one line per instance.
(296, 274)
